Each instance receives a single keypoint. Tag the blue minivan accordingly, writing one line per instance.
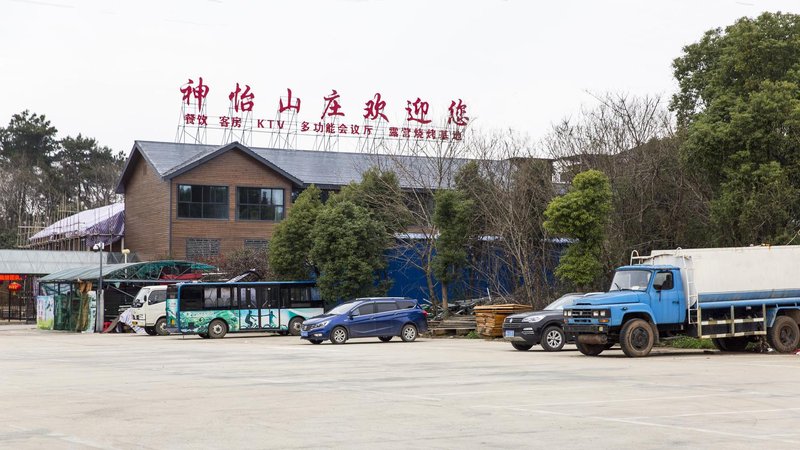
(381, 317)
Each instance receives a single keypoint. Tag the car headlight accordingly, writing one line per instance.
(601, 313)
(320, 325)
(530, 319)
(567, 313)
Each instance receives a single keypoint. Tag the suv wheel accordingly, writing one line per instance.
(553, 339)
(521, 347)
(408, 333)
(339, 335)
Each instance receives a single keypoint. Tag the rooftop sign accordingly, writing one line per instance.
(324, 117)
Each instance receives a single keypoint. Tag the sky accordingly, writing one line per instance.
(113, 70)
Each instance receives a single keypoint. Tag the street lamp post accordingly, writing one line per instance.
(100, 308)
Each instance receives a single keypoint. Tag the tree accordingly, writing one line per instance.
(348, 247)
(88, 172)
(510, 187)
(656, 202)
(290, 248)
(752, 206)
(581, 214)
(244, 259)
(739, 107)
(451, 217)
(379, 193)
(27, 147)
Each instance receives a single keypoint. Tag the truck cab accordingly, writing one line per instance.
(643, 302)
(149, 310)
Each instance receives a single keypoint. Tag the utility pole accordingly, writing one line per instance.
(100, 308)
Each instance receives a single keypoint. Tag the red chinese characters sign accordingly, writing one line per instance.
(9, 277)
(417, 123)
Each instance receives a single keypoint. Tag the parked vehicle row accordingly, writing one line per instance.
(212, 310)
(734, 296)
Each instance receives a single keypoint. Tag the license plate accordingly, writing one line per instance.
(509, 333)
(304, 333)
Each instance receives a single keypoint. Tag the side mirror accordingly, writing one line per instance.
(658, 287)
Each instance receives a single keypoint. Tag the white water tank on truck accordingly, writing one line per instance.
(734, 273)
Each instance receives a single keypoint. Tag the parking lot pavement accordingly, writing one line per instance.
(67, 390)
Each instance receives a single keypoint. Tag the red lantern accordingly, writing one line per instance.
(14, 286)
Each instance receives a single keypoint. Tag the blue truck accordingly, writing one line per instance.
(734, 296)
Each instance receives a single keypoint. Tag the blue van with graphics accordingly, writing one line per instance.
(381, 317)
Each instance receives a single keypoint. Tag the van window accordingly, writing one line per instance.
(158, 296)
(385, 307)
(406, 304)
(366, 308)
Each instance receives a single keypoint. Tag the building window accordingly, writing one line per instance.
(202, 202)
(256, 244)
(259, 204)
(201, 248)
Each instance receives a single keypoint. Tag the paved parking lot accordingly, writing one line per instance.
(66, 390)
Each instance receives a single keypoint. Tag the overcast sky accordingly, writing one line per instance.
(112, 70)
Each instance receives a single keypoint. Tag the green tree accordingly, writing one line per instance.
(739, 108)
(88, 172)
(452, 217)
(27, 148)
(581, 214)
(290, 248)
(752, 205)
(379, 192)
(348, 247)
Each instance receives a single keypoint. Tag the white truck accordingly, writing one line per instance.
(150, 311)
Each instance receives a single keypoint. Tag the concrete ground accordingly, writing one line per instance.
(63, 390)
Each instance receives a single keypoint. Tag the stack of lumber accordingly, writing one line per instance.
(453, 325)
(489, 318)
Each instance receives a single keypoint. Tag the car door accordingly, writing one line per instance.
(361, 322)
(385, 319)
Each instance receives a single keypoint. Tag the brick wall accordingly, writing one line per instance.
(146, 212)
(233, 169)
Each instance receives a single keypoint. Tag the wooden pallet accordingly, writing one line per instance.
(489, 318)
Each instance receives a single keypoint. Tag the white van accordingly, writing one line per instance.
(150, 310)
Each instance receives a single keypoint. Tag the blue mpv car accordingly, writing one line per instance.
(381, 317)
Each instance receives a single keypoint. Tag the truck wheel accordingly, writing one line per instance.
(784, 335)
(590, 349)
(719, 344)
(150, 330)
(637, 338)
(733, 344)
(521, 347)
(553, 339)
(161, 327)
(217, 329)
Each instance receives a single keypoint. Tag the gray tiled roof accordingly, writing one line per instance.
(322, 168)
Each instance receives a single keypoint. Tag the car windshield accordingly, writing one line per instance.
(341, 309)
(630, 280)
(561, 302)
